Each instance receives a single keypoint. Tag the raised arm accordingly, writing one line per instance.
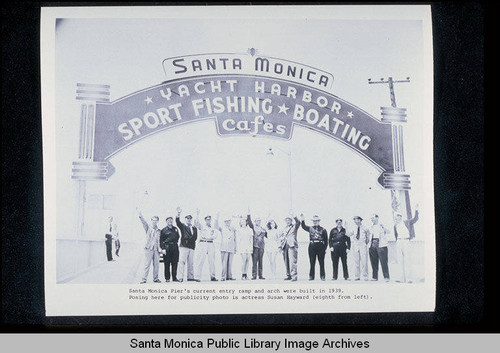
(297, 223)
(178, 219)
(145, 224)
(415, 218)
(179, 223)
(303, 222)
(249, 221)
(216, 224)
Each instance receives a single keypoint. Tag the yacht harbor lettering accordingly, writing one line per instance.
(241, 105)
(258, 112)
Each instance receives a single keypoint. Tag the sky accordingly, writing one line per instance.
(191, 166)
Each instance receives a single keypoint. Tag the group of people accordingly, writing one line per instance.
(251, 238)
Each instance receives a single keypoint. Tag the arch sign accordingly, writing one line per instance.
(243, 94)
(201, 76)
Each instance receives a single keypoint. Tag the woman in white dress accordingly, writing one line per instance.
(244, 237)
(273, 242)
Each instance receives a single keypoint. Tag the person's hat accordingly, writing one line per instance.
(288, 217)
(189, 216)
(338, 219)
(208, 216)
(399, 214)
(358, 217)
(155, 218)
(315, 218)
(169, 217)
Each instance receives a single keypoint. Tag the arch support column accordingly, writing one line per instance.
(398, 181)
(85, 168)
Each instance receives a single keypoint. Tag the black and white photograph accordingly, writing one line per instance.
(224, 160)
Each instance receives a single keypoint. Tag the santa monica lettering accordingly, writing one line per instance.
(290, 71)
(206, 65)
(216, 64)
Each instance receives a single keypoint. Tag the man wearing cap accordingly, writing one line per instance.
(378, 248)
(290, 246)
(259, 233)
(318, 241)
(227, 247)
(340, 244)
(205, 246)
(404, 233)
(189, 234)
(360, 237)
(152, 247)
(169, 237)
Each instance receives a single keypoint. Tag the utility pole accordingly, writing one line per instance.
(398, 181)
(391, 83)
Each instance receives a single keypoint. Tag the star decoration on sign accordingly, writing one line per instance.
(283, 108)
(148, 100)
(349, 115)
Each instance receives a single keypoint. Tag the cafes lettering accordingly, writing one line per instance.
(256, 113)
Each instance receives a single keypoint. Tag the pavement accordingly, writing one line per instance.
(124, 269)
(127, 269)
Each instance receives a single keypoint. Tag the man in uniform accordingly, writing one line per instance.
(378, 248)
(152, 247)
(189, 234)
(205, 246)
(318, 242)
(169, 237)
(340, 244)
(360, 236)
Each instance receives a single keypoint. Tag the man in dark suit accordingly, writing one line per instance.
(189, 234)
(259, 233)
(109, 242)
(169, 237)
(109, 239)
(340, 244)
